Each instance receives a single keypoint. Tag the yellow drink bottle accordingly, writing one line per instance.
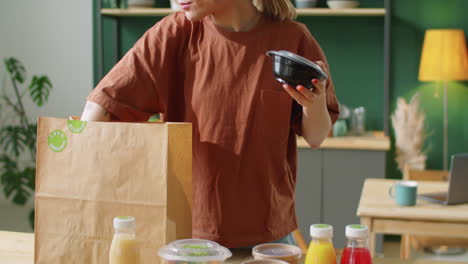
(124, 248)
(321, 250)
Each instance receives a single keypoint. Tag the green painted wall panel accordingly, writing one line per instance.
(410, 20)
(96, 47)
(109, 43)
(355, 51)
(132, 28)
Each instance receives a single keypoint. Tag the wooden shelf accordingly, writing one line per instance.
(141, 12)
(136, 12)
(341, 12)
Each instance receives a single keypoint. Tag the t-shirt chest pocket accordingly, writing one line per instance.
(275, 114)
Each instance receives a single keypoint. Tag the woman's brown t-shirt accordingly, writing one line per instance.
(244, 123)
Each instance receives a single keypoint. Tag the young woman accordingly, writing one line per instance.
(207, 65)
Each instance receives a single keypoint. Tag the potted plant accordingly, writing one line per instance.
(18, 132)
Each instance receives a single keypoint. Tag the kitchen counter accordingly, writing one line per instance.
(18, 248)
(372, 141)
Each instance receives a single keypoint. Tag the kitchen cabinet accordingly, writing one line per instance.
(309, 189)
(330, 180)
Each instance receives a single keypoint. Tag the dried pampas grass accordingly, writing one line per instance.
(408, 125)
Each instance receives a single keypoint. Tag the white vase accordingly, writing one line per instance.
(306, 3)
(175, 5)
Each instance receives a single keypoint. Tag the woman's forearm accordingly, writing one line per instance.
(316, 123)
(95, 112)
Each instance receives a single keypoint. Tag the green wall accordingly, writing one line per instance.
(356, 60)
(355, 49)
(410, 19)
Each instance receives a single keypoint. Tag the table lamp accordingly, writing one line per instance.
(444, 58)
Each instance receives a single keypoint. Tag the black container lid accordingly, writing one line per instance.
(299, 59)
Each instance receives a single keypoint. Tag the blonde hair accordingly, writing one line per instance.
(276, 9)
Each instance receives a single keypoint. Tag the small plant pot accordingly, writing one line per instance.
(175, 5)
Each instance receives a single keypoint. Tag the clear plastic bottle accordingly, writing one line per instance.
(124, 248)
(321, 250)
(357, 249)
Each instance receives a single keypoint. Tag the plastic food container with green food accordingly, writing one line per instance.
(194, 251)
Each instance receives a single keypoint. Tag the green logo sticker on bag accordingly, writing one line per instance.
(76, 126)
(57, 140)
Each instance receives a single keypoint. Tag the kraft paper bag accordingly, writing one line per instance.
(90, 172)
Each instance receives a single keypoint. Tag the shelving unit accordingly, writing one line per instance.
(142, 12)
(116, 15)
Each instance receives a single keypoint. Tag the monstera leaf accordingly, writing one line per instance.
(39, 89)
(31, 134)
(16, 69)
(13, 139)
(17, 184)
(18, 136)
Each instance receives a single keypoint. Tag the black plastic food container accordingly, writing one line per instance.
(295, 70)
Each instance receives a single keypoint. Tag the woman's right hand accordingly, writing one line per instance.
(95, 112)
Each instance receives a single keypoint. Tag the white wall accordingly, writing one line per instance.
(52, 37)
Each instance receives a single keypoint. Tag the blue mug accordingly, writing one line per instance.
(404, 192)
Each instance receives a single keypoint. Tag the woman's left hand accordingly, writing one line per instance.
(306, 97)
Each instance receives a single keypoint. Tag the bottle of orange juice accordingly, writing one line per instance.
(321, 250)
(124, 248)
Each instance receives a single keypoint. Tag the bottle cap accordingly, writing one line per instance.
(357, 231)
(321, 231)
(124, 222)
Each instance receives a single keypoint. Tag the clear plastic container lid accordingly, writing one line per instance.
(277, 251)
(194, 250)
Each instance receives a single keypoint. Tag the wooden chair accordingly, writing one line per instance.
(425, 175)
(420, 242)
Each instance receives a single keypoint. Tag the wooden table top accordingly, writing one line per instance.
(18, 248)
(376, 202)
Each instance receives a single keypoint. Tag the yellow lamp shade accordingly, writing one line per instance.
(444, 56)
